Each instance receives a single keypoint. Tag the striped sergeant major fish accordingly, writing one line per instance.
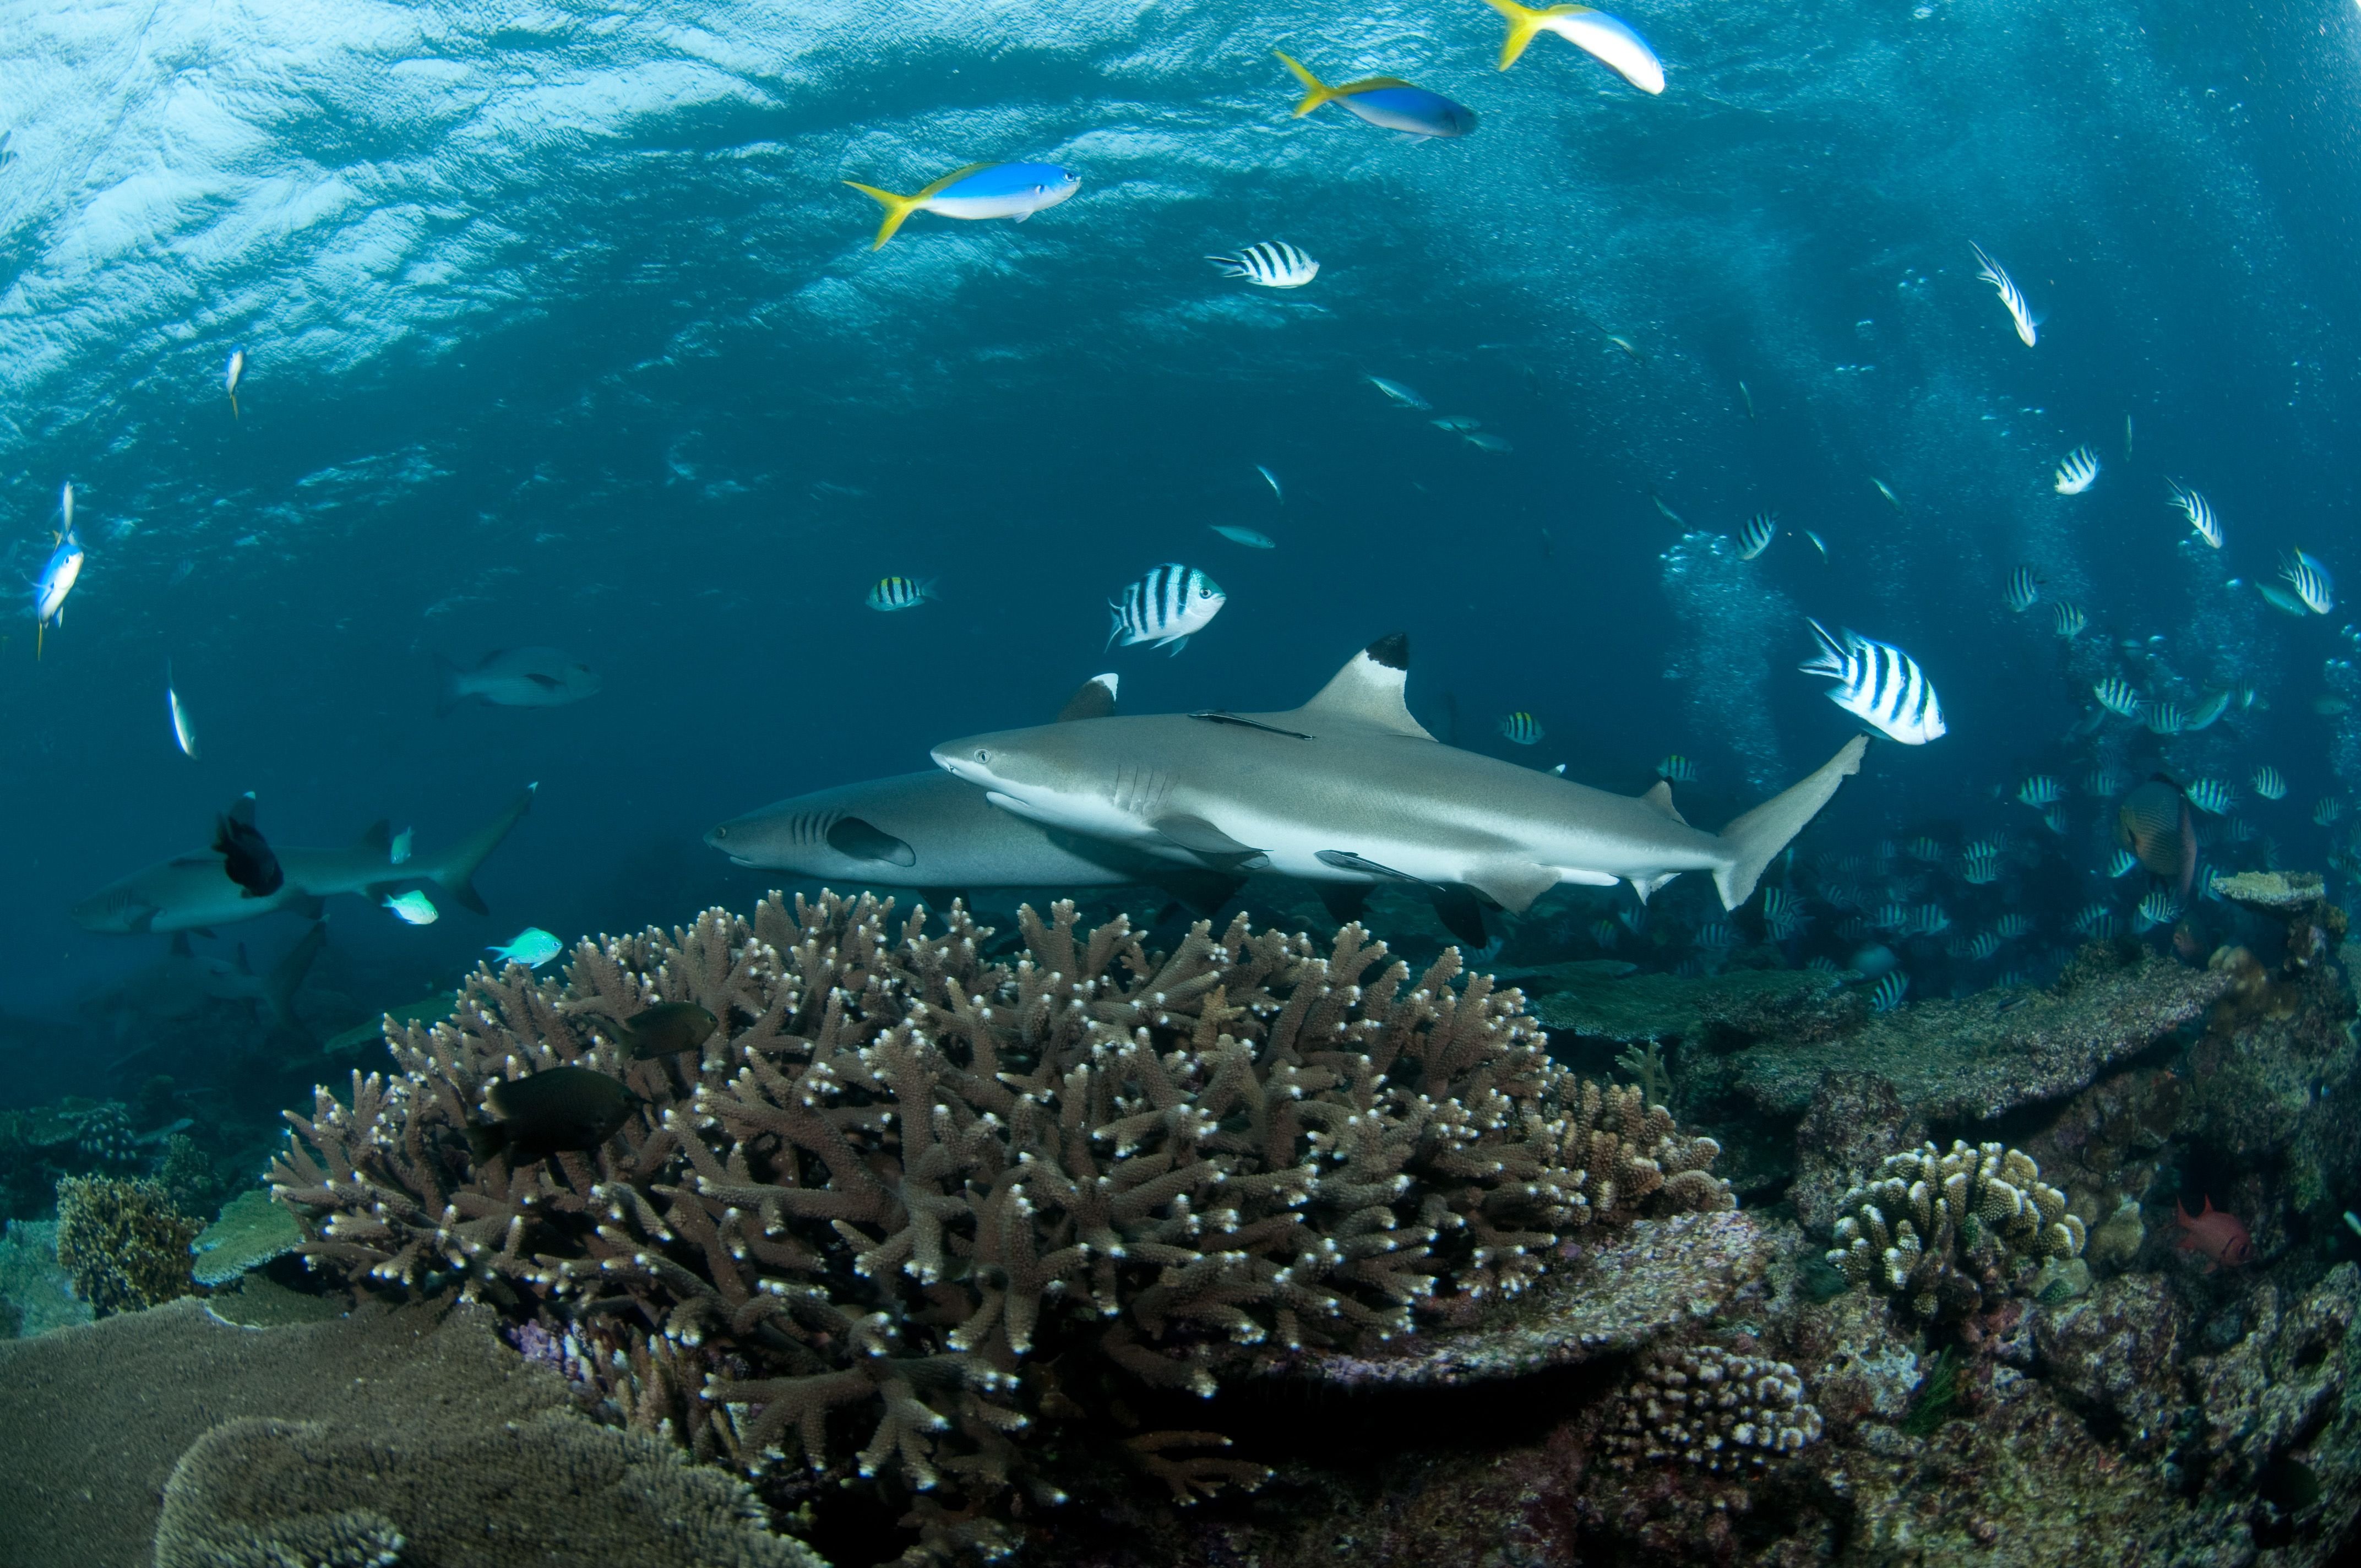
(1879, 685)
(1523, 729)
(1169, 605)
(2010, 296)
(2023, 590)
(2118, 696)
(2311, 582)
(2068, 618)
(901, 593)
(2198, 510)
(1756, 536)
(2077, 472)
(1273, 264)
(2270, 784)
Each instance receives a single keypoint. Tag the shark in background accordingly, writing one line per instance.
(181, 983)
(1350, 788)
(932, 831)
(193, 892)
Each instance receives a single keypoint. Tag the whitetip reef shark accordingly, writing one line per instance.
(1350, 788)
(193, 893)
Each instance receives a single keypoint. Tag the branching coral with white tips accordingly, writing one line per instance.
(897, 1174)
(1943, 1229)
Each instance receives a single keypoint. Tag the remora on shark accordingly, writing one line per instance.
(1349, 788)
(192, 893)
(932, 831)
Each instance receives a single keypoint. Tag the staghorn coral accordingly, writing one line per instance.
(1711, 1408)
(898, 1176)
(1944, 1230)
(123, 1242)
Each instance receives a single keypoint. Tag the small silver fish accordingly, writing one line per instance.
(1886, 490)
(1245, 536)
(1484, 441)
(231, 375)
(184, 732)
(1750, 400)
(1456, 422)
(413, 908)
(1272, 480)
(1668, 511)
(1398, 393)
(1817, 544)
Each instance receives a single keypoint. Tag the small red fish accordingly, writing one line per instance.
(2217, 1237)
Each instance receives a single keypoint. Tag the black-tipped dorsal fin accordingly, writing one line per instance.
(1661, 797)
(1094, 699)
(1367, 694)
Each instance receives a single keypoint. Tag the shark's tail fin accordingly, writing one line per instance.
(1755, 837)
(286, 977)
(1316, 91)
(1523, 23)
(454, 873)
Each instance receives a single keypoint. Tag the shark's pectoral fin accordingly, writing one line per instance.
(857, 839)
(1345, 861)
(205, 931)
(1646, 885)
(1661, 798)
(1511, 884)
(1344, 900)
(1460, 914)
(1201, 836)
(1202, 892)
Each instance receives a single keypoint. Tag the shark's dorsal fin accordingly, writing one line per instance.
(1367, 694)
(1661, 797)
(377, 839)
(1094, 699)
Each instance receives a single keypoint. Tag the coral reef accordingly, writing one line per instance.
(553, 1491)
(1947, 1230)
(123, 1242)
(38, 1293)
(1605, 1000)
(252, 1231)
(900, 1175)
(170, 1438)
(1974, 1058)
(1709, 1407)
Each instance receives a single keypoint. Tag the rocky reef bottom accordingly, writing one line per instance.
(2057, 1275)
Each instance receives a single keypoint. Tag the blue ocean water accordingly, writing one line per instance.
(561, 330)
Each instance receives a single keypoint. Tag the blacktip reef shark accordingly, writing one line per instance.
(1349, 788)
(193, 893)
(931, 831)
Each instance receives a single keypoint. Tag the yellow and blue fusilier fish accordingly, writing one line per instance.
(1386, 102)
(1610, 40)
(980, 190)
(57, 579)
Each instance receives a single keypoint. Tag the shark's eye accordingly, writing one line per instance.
(982, 755)
(721, 832)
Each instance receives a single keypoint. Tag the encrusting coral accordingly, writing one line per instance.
(898, 1178)
(1712, 1408)
(125, 1244)
(1943, 1230)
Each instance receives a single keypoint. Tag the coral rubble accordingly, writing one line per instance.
(900, 1179)
(123, 1242)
